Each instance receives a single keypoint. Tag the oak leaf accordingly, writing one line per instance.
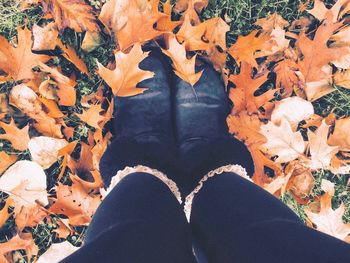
(19, 138)
(70, 54)
(17, 243)
(29, 216)
(316, 53)
(131, 21)
(246, 128)
(321, 152)
(282, 141)
(76, 14)
(18, 62)
(182, 5)
(329, 221)
(286, 78)
(271, 22)
(76, 203)
(247, 48)
(242, 95)
(127, 74)
(92, 116)
(184, 68)
(165, 24)
(66, 86)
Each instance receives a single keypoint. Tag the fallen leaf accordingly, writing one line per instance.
(76, 15)
(75, 203)
(282, 141)
(341, 136)
(19, 138)
(293, 109)
(127, 74)
(44, 37)
(184, 68)
(92, 116)
(25, 181)
(329, 221)
(247, 48)
(44, 150)
(131, 21)
(242, 95)
(271, 22)
(66, 86)
(321, 153)
(18, 62)
(17, 243)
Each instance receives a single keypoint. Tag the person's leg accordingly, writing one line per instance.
(235, 220)
(140, 220)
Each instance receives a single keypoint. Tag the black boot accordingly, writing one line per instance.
(202, 134)
(143, 127)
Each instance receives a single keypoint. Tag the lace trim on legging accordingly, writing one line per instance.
(233, 168)
(142, 169)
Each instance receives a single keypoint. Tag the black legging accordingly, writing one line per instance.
(232, 220)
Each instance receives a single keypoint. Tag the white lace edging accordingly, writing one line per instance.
(233, 168)
(142, 169)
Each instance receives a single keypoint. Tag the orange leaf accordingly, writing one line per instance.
(6, 160)
(165, 24)
(247, 48)
(131, 21)
(66, 91)
(71, 55)
(92, 116)
(243, 95)
(76, 203)
(45, 37)
(316, 53)
(183, 67)
(127, 74)
(18, 62)
(19, 138)
(75, 14)
(17, 243)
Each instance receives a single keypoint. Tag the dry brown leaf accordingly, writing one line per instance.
(328, 220)
(184, 68)
(29, 216)
(271, 22)
(75, 14)
(44, 37)
(247, 48)
(165, 24)
(19, 138)
(17, 243)
(76, 203)
(131, 21)
(127, 74)
(66, 86)
(92, 116)
(18, 62)
(242, 95)
(341, 136)
(316, 53)
(70, 54)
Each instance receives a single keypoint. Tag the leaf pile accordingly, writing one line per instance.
(56, 104)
